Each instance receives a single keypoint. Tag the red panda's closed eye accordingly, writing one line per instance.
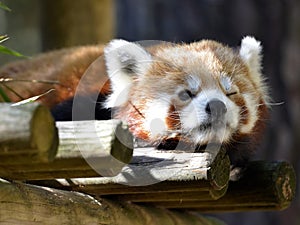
(185, 95)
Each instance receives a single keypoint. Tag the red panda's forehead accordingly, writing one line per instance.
(204, 56)
(204, 61)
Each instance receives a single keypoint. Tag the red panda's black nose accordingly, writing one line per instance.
(215, 108)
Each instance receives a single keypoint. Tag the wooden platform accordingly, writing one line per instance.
(78, 171)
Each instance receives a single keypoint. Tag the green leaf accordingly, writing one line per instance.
(8, 51)
(4, 96)
(3, 6)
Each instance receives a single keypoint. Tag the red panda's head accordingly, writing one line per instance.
(200, 92)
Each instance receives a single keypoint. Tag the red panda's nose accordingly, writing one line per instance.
(215, 108)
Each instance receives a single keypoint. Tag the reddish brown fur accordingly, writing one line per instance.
(243, 146)
(64, 67)
(173, 120)
(244, 110)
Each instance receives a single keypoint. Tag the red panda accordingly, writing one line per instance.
(199, 93)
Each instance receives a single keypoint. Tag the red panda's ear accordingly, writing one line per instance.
(124, 61)
(250, 52)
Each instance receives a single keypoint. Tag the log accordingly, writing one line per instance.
(151, 166)
(161, 174)
(29, 204)
(27, 134)
(264, 186)
(86, 149)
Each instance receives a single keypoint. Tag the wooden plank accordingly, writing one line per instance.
(160, 173)
(86, 149)
(264, 186)
(27, 134)
(29, 204)
(91, 139)
(151, 166)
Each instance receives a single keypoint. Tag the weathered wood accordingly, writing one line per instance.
(28, 204)
(27, 134)
(86, 149)
(160, 173)
(178, 196)
(151, 166)
(264, 186)
(95, 138)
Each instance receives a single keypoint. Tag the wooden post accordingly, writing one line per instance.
(86, 149)
(27, 134)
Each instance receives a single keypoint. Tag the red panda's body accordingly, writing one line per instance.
(62, 68)
(197, 94)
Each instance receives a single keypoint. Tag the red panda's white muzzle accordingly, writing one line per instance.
(210, 116)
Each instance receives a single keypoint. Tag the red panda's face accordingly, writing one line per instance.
(203, 92)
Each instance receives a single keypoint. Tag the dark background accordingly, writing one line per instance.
(36, 26)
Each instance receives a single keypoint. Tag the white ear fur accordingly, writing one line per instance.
(250, 52)
(124, 61)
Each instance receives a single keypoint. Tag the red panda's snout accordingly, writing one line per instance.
(209, 117)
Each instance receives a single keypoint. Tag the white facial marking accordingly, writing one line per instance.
(156, 114)
(157, 126)
(194, 117)
(194, 83)
(226, 83)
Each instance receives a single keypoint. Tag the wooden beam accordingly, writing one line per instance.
(151, 166)
(27, 134)
(178, 196)
(159, 173)
(29, 204)
(264, 186)
(86, 149)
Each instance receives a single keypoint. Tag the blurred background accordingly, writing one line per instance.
(37, 26)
